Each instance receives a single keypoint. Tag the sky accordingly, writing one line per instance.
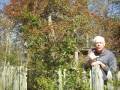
(3, 3)
(113, 9)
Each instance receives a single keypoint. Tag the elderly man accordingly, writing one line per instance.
(102, 57)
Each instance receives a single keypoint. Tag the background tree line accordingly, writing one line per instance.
(54, 30)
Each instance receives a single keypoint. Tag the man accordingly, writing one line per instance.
(102, 57)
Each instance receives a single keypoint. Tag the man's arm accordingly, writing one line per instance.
(105, 67)
(112, 63)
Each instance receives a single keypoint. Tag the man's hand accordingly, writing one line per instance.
(94, 63)
(101, 64)
(98, 63)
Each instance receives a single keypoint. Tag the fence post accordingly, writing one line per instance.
(60, 79)
(96, 80)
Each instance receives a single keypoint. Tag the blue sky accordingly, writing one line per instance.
(3, 3)
(113, 9)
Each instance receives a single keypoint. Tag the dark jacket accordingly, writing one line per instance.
(109, 59)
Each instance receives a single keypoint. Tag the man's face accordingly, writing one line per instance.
(99, 45)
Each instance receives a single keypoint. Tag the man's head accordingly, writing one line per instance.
(99, 43)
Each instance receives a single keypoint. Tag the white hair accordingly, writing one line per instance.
(98, 39)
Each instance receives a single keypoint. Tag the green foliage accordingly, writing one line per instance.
(12, 59)
(71, 23)
(48, 54)
(32, 19)
(45, 83)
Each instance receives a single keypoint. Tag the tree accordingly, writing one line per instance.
(52, 43)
